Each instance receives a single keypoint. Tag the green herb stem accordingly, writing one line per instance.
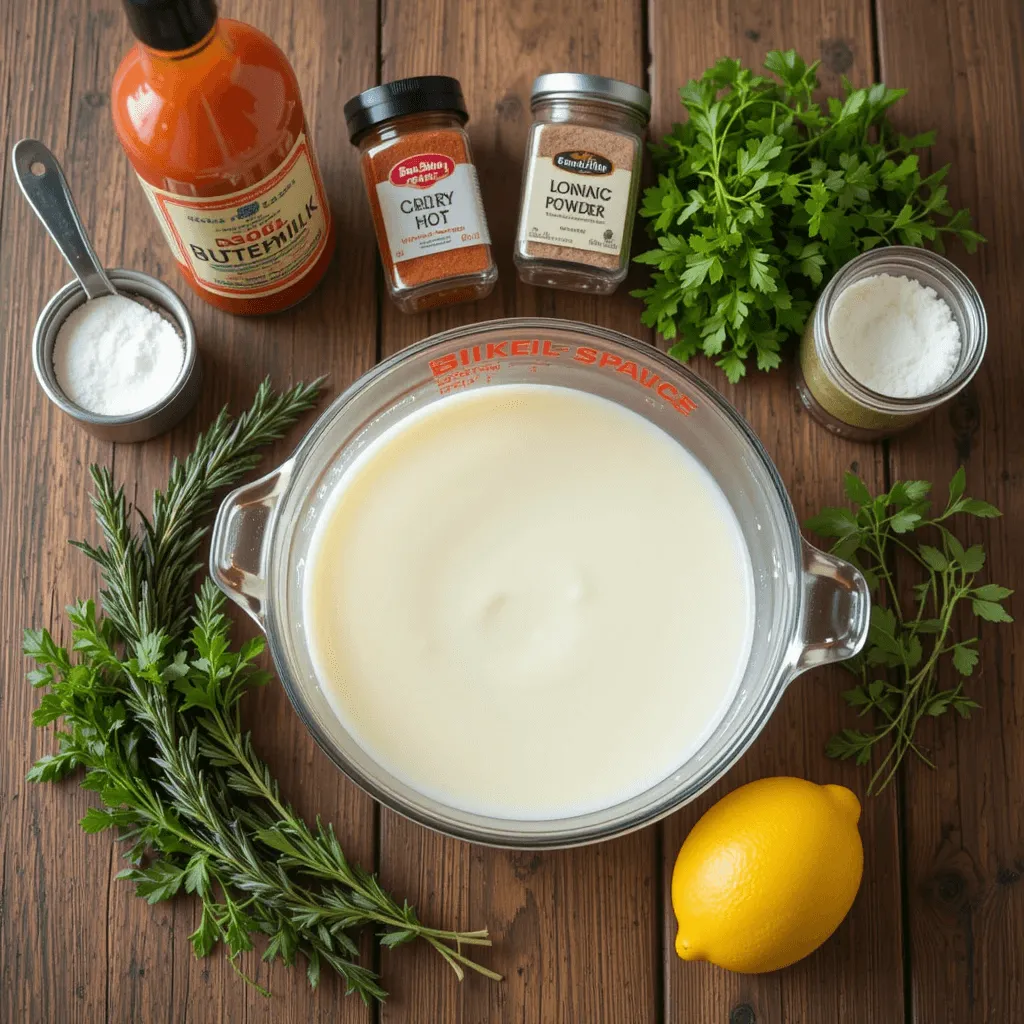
(900, 669)
(159, 733)
(762, 194)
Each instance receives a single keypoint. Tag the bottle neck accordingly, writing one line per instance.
(211, 49)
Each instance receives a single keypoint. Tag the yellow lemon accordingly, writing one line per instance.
(767, 874)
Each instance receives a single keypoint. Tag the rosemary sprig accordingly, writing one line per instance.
(159, 733)
(216, 692)
(909, 641)
(148, 581)
(181, 822)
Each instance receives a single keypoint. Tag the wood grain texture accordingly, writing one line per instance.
(575, 932)
(586, 936)
(76, 945)
(857, 975)
(965, 824)
(52, 945)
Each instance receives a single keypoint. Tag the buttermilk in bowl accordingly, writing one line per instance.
(529, 602)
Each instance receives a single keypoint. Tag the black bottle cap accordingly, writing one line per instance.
(419, 95)
(170, 24)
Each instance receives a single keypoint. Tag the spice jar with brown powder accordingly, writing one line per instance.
(423, 191)
(580, 182)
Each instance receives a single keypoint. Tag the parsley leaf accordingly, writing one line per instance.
(763, 194)
(150, 711)
(909, 640)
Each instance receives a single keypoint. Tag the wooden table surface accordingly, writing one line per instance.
(937, 931)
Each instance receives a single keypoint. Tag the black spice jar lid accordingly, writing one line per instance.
(420, 95)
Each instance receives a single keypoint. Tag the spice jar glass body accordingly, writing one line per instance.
(581, 178)
(425, 265)
(840, 402)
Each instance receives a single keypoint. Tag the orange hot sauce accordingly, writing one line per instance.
(209, 113)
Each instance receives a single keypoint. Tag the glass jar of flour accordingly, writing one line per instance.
(580, 182)
(896, 333)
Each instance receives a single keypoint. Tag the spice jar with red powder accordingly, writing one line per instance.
(423, 191)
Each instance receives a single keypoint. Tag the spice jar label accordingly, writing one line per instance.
(578, 198)
(253, 242)
(430, 203)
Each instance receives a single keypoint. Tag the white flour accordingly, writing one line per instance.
(114, 357)
(895, 335)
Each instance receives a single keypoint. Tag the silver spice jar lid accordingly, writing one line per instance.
(568, 85)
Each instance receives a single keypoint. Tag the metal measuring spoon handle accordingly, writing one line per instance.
(44, 185)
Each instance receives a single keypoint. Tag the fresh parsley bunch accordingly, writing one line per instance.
(910, 637)
(762, 195)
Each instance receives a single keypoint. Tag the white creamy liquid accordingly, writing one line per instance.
(528, 602)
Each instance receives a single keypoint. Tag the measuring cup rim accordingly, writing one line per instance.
(279, 526)
(647, 351)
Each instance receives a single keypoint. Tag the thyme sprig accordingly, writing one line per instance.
(900, 670)
(153, 716)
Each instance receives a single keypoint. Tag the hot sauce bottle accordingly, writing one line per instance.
(209, 113)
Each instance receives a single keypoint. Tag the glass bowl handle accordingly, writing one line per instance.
(239, 549)
(837, 610)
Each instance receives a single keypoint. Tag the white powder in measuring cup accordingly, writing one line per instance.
(114, 357)
(895, 335)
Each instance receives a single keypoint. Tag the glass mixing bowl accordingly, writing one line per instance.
(810, 608)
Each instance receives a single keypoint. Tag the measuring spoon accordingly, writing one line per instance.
(45, 187)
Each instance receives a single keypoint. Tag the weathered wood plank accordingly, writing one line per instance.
(856, 976)
(965, 825)
(75, 944)
(52, 943)
(575, 933)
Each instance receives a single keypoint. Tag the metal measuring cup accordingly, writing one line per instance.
(43, 183)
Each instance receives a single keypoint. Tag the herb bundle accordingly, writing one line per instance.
(762, 195)
(153, 718)
(898, 672)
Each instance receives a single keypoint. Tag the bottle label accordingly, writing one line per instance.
(254, 242)
(577, 199)
(429, 204)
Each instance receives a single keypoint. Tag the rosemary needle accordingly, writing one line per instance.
(153, 716)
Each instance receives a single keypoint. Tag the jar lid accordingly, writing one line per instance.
(419, 95)
(568, 85)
